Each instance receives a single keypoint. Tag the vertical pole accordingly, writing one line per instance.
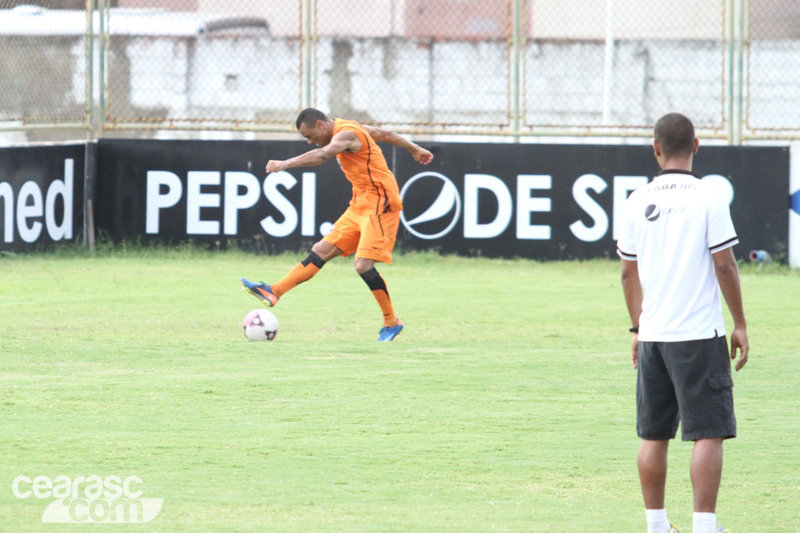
(742, 35)
(608, 73)
(102, 51)
(89, 69)
(90, 149)
(89, 179)
(308, 11)
(730, 22)
(794, 205)
(516, 68)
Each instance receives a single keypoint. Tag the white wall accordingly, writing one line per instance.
(634, 19)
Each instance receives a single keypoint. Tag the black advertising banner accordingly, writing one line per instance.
(565, 201)
(215, 192)
(41, 195)
(496, 200)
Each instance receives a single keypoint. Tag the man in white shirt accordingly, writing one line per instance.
(676, 250)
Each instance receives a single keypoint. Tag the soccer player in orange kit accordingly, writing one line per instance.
(368, 227)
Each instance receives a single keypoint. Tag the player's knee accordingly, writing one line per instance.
(363, 265)
(325, 250)
(318, 247)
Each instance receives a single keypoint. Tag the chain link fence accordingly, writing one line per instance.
(623, 64)
(491, 67)
(210, 64)
(424, 63)
(44, 81)
(772, 69)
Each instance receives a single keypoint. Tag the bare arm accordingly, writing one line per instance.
(632, 288)
(728, 277)
(381, 135)
(342, 141)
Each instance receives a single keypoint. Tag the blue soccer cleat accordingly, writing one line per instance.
(387, 334)
(262, 291)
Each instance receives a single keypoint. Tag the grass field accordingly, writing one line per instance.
(507, 404)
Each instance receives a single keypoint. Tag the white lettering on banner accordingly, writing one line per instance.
(66, 190)
(242, 191)
(7, 194)
(623, 185)
(30, 205)
(580, 193)
(472, 228)
(157, 201)
(196, 199)
(526, 204)
(235, 202)
(280, 229)
(309, 207)
(25, 211)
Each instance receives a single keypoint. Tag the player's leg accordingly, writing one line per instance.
(656, 424)
(705, 392)
(341, 241)
(652, 464)
(321, 253)
(306, 269)
(366, 269)
(378, 233)
(706, 473)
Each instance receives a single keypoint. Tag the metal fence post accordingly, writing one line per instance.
(90, 152)
(516, 68)
(307, 12)
(730, 23)
(738, 114)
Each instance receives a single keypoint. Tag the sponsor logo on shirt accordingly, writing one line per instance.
(652, 212)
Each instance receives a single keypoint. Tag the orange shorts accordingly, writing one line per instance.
(368, 236)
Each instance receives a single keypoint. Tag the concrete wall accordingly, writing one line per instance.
(409, 81)
(405, 81)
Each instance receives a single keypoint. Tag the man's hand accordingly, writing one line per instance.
(740, 342)
(635, 351)
(422, 155)
(276, 166)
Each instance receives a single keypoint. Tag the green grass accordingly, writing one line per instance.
(507, 404)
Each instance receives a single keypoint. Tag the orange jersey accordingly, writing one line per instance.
(375, 188)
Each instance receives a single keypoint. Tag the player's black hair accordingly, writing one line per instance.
(309, 116)
(675, 133)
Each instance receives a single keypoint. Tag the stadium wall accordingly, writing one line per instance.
(496, 200)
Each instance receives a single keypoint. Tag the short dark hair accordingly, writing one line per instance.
(675, 133)
(309, 116)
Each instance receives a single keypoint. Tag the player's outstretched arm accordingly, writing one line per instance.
(728, 277)
(344, 140)
(419, 153)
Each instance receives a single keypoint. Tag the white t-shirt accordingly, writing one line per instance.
(672, 226)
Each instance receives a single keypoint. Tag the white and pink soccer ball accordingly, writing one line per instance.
(260, 325)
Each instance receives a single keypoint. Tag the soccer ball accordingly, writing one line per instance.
(260, 325)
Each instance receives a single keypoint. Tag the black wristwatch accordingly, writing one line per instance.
(634, 329)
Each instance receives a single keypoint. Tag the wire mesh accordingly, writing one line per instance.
(421, 62)
(43, 74)
(203, 64)
(624, 63)
(506, 67)
(772, 103)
